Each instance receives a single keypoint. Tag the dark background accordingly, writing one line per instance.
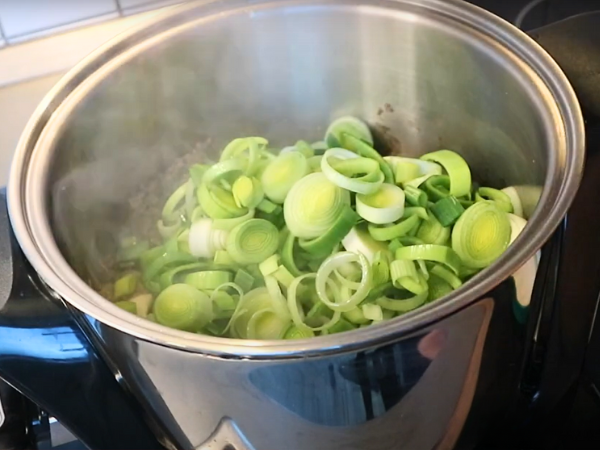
(575, 423)
(546, 12)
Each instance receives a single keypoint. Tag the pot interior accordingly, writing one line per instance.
(421, 78)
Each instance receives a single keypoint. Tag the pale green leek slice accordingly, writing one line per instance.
(481, 235)
(252, 241)
(313, 205)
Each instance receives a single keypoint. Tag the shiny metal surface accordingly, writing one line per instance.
(417, 391)
(426, 74)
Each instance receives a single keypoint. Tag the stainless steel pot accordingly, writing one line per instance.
(425, 74)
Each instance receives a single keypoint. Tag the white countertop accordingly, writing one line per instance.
(29, 70)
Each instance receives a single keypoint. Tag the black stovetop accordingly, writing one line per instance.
(537, 13)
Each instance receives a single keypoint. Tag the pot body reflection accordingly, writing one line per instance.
(418, 391)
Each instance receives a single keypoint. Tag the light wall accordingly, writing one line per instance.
(24, 20)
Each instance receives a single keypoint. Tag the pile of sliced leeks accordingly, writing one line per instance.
(314, 239)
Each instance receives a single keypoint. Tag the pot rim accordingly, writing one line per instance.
(35, 237)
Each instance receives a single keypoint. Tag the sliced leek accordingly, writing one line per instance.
(502, 200)
(323, 245)
(359, 241)
(429, 252)
(481, 235)
(183, 307)
(515, 200)
(361, 148)
(313, 239)
(409, 169)
(247, 192)
(457, 169)
(383, 206)
(347, 125)
(447, 210)
(252, 241)
(281, 174)
(327, 268)
(352, 172)
(313, 205)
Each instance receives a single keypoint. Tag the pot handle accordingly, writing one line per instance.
(574, 43)
(45, 355)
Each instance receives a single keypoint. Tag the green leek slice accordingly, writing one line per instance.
(405, 172)
(438, 288)
(355, 316)
(265, 324)
(372, 312)
(282, 173)
(517, 224)
(157, 266)
(183, 307)
(208, 279)
(244, 280)
(228, 170)
(457, 169)
(431, 231)
(174, 275)
(204, 239)
(404, 275)
(359, 241)
(481, 235)
(447, 210)
(515, 200)
(415, 210)
(127, 305)
(298, 316)
(230, 224)
(287, 255)
(313, 205)
(502, 200)
(365, 150)
(352, 172)
(409, 169)
(446, 275)
(415, 196)
(125, 286)
(251, 147)
(295, 332)
(383, 206)
(171, 211)
(437, 187)
(429, 252)
(252, 241)
(252, 302)
(217, 203)
(404, 305)
(327, 268)
(347, 125)
(247, 192)
(381, 267)
(387, 233)
(324, 244)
